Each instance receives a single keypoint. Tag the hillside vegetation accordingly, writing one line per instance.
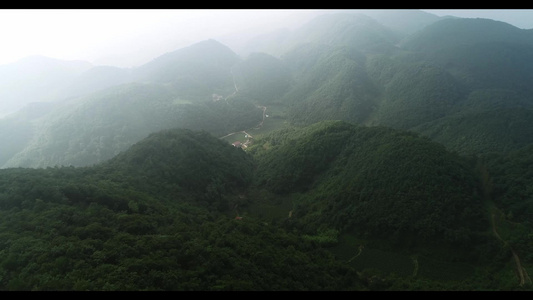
(374, 180)
(375, 154)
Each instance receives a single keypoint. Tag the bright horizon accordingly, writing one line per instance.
(131, 37)
(128, 36)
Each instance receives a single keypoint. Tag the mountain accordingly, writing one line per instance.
(498, 130)
(337, 66)
(35, 79)
(162, 226)
(415, 93)
(457, 31)
(449, 70)
(95, 79)
(491, 61)
(102, 122)
(356, 30)
(17, 129)
(99, 126)
(381, 159)
(373, 179)
(403, 21)
(473, 49)
(187, 161)
(330, 83)
(196, 71)
(262, 77)
(165, 209)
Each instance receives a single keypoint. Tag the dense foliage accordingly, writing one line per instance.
(332, 84)
(401, 164)
(140, 223)
(373, 180)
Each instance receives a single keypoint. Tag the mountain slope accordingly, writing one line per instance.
(35, 79)
(179, 90)
(373, 179)
(194, 72)
(185, 160)
(95, 79)
(330, 82)
(416, 93)
(497, 130)
(334, 29)
(261, 77)
(405, 21)
(95, 128)
(459, 31)
(150, 219)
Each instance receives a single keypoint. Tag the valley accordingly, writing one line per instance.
(354, 153)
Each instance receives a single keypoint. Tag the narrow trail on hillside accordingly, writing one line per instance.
(486, 182)
(361, 247)
(521, 271)
(415, 263)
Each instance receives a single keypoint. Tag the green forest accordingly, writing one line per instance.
(375, 155)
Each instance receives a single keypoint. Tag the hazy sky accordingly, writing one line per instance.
(132, 37)
(128, 37)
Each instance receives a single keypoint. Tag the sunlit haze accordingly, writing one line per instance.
(131, 37)
(120, 37)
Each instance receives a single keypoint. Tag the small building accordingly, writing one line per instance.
(237, 144)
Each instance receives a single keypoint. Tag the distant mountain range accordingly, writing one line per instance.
(375, 69)
(389, 150)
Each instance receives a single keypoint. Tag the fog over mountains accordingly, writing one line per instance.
(347, 150)
(399, 68)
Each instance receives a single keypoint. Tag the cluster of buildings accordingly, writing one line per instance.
(244, 145)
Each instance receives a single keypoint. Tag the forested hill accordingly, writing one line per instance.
(477, 68)
(459, 31)
(379, 156)
(194, 72)
(175, 212)
(374, 180)
(342, 28)
(182, 160)
(153, 218)
(465, 93)
(89, 129)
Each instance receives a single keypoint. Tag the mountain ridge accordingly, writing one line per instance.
(368, 166)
